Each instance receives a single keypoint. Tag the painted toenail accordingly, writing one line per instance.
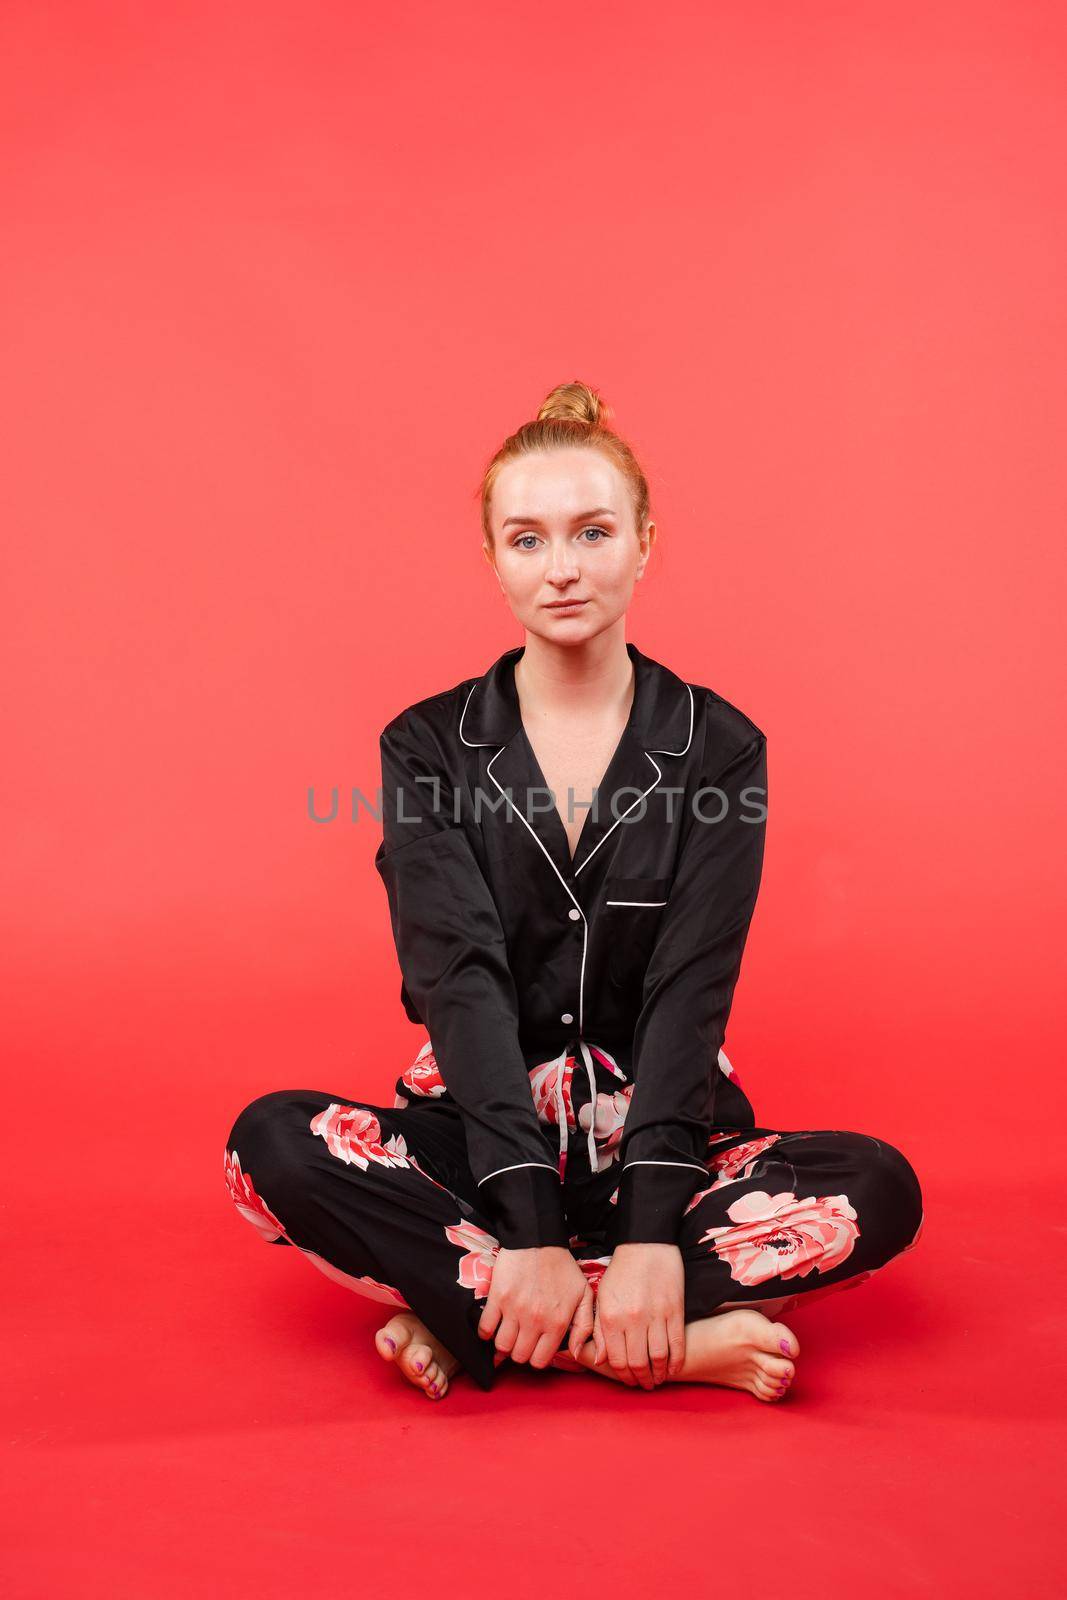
(419, 1366)
(391, 1343)
(783, 1344)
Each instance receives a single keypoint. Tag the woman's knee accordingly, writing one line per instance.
(266, 1141)
(257, 1127)
(892, 1189)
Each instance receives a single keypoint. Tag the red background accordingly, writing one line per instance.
(277, 281)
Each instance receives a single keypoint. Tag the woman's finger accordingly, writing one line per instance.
(659, 1350)
(637, 1354)
(526, 1337)
(506, 1334)
(490, 1317)
(581, 1324)
(543, 1351)
(676, 1336)
(617, 1358)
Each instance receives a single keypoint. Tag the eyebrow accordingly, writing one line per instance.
(581, 516)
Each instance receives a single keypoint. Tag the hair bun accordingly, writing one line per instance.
(572, 402)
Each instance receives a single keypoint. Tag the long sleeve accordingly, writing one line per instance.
(686, 1000)
(453, 957)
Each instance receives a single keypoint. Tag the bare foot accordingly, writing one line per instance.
(740, 1349)
(421, 1357)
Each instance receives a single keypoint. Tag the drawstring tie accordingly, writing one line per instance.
(560, 1065)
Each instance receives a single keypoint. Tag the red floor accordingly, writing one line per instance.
(195, 1412)
(276, 281)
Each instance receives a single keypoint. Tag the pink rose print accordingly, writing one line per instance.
(609, 1121)
(248, 1202)
(354, 1135)
(732, 1165)
(422, 1078)
(476, 1267)
(739, 1162)
(781, 1236)
(543, 1081)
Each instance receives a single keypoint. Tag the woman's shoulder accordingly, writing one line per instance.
(725, 715)
(434, 717)
(686, 704)
(727, 730)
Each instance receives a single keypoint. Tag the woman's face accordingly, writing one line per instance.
(567, 554)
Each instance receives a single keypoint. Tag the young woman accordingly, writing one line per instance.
(571, 1175)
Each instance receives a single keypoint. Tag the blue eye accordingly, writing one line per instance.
(519, 543)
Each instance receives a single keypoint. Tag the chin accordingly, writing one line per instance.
(565, 630)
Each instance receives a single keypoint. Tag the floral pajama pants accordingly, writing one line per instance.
(382, 1199)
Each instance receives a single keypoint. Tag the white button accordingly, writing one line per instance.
(574, 914)
(566, 1017)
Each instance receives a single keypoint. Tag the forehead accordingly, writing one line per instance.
(557, 484)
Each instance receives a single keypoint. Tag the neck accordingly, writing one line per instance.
(579, 681)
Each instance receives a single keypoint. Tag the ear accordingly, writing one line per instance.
(646, 541)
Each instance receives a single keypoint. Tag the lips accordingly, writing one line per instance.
(564, 605)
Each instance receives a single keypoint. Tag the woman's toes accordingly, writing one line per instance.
(391, 1339)
(416, 1360)
(785, 1341)
(776, 1369)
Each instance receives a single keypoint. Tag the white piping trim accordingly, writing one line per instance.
(540, 845)
(472, 745)
(515, 1168)
(469, 742)
(635, 902)
(689, 739)
(626, 813)
(665, 1164)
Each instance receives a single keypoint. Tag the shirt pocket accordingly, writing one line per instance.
(632, 909)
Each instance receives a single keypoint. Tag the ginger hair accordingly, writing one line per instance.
(571, 414)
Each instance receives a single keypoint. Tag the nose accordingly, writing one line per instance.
(562, 566)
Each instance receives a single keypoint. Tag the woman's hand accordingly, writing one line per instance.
(533, 1296)
(640, 1314)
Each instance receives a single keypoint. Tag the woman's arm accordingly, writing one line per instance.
(687, 995)
(453, 956)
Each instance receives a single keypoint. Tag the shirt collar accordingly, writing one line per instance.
(661, 718)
